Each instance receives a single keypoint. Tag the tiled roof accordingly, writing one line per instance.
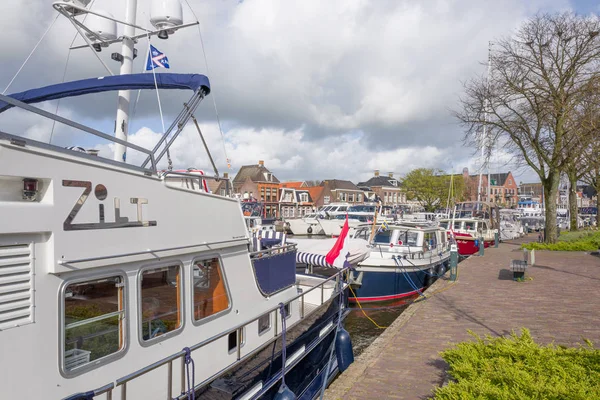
(292, 185)
(380, 181)
(255, 173)
(315, 192)
(339, 184)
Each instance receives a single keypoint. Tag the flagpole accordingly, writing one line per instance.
(127, 49)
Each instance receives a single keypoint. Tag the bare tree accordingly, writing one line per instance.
(537, 80)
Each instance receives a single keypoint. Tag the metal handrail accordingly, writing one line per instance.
(123, 380)
(178, 124)
(79, 126)
(288, 247)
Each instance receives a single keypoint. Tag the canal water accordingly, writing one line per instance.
(362, 330)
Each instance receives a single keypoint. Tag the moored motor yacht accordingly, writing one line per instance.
(114, 277)
(473, 221)
(404, 258)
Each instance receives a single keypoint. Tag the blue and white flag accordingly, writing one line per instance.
(156, 59)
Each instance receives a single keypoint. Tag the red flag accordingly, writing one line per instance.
(335, 251)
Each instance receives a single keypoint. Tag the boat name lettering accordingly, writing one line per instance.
(101, 194)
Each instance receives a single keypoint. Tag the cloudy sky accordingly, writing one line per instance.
(317, 89)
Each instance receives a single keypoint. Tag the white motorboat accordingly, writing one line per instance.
(114, 277)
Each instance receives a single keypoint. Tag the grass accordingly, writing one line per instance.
(515, 367)
(584, 240)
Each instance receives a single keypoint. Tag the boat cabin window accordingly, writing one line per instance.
(264, 323)
(232, 339)
(287, 311)
(470, 225)
(383, 237)
(362, 233)
(210, 293)
(342, 209)
(429, 240)
(457, 225)
(408, 238)
(444, 224)
(94, 315)
(160, 301)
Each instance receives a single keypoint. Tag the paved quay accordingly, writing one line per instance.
(560, 304)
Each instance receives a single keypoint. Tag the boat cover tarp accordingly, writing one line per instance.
(275, 273)
(110, 83)
(313, 251)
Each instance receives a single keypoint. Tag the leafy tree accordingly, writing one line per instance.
(431, 187)
(539, 77)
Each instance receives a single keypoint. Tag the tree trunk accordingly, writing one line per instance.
(573, 200)
(597, 208)
(550, 194)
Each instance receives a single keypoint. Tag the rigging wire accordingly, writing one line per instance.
(30, 54)
(162, 119)
(65, 73)
(212, 94)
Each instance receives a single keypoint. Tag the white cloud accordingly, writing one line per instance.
(317, 89)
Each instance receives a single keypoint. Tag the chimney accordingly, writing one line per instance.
(225, 175)
(261, 163)
(390, 174)
(376, 172)
(465, 172)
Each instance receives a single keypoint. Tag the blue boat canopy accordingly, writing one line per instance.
(110, 83)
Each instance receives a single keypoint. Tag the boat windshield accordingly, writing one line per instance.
(408, 238)
(383, 237)
(362, 208)
(444, 224)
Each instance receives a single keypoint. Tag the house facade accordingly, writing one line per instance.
(257, 182)
(295, 200)
(387, 188)
(504, 191)
(336, 190)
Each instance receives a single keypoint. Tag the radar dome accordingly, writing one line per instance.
(106, 29)
(165, 14)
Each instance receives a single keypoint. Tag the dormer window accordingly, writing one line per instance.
(304, 197)
(394, 182)
(268, 176)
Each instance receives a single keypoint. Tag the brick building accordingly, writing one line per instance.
(504, 191)
(295, 200)
(336, 190)
(257, 182)
(387, 188)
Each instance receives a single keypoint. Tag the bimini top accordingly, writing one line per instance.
(110, 83)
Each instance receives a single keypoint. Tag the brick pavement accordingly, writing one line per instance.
(559, 304)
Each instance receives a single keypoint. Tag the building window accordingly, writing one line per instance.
(210, 291)
(359, 198)
(160, 296)
(304, 197)
(264, 323)
(326, 200)
(94, 315)
(351, 197)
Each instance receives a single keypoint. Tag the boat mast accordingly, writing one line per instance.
(127, 49)
(485, 138)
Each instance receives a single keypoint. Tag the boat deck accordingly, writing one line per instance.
(559, 304)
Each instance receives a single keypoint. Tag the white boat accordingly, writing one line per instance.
(510, 224)
(307, 225)
(403, 260)
(114, 278)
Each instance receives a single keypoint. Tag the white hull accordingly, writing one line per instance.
(304, 226)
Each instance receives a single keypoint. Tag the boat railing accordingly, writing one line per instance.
(152, 156)
(238, 329)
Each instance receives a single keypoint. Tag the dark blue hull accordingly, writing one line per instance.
(304, 376)
(393, 284)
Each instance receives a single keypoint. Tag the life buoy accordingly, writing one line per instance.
(309, 230)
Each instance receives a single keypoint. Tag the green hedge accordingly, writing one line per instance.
(515, 367)
(570, 241)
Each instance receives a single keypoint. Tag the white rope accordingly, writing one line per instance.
(30, 54)
(162, 120)
(214, 99)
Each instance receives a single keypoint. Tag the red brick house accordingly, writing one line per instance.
(257, 182)
(504, 191)
(336, 190)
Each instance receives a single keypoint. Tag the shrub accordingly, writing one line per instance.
(515, 367)
(570, 241)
